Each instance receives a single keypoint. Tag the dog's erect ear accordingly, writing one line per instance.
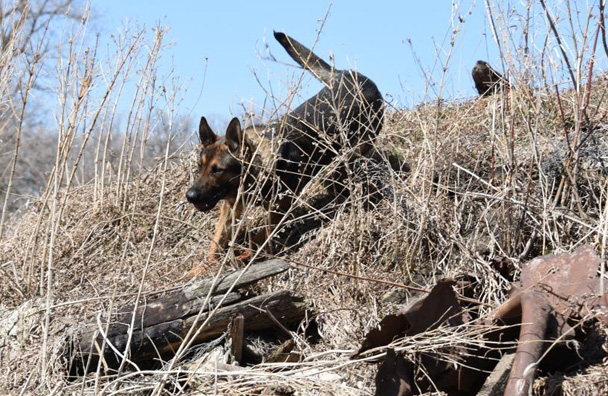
(234, 135)
(205, 133)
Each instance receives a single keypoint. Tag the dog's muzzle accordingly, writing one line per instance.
(202, 202)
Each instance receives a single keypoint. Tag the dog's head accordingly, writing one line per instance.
(481, 67)
(219, 166)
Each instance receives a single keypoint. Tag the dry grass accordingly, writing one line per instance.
(515, 175)
(101, 249)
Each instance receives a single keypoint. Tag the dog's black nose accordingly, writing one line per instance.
(192, 195)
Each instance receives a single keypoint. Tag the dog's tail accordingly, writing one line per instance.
(307, 59)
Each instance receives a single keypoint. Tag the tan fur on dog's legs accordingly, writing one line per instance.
(223, 233)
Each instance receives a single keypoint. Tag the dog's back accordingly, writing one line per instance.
(344, 117)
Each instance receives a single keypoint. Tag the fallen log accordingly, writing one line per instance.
(189, 301)
(160, 326)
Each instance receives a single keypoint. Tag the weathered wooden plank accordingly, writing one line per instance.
(156, 312)
(496, 382)
(253, 274)
(188, 302)
(163, 339)
(237, 331)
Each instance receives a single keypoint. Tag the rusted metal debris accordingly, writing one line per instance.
(441, 305)
(399, 376)
(557, 295)
(557, 292)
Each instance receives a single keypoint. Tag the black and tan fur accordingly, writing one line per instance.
(345, 116)
(487, 80)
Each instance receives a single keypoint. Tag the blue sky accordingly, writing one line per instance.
(228, 39)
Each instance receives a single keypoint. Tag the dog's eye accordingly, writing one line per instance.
(215, 170)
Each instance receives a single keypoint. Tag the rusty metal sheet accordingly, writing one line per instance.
(555, 292)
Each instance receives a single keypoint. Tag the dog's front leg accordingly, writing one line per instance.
(275, 217)
(223, 234)
(265, 232)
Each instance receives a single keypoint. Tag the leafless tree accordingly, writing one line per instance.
(25, 40)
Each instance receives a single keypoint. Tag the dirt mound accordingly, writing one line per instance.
(511, 176)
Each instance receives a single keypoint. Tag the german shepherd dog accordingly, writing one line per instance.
(345, 116)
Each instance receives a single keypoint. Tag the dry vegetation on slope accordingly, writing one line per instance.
(458, 208)
(511, 176)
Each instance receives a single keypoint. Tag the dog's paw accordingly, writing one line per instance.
(195, 273)
(244, 257)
